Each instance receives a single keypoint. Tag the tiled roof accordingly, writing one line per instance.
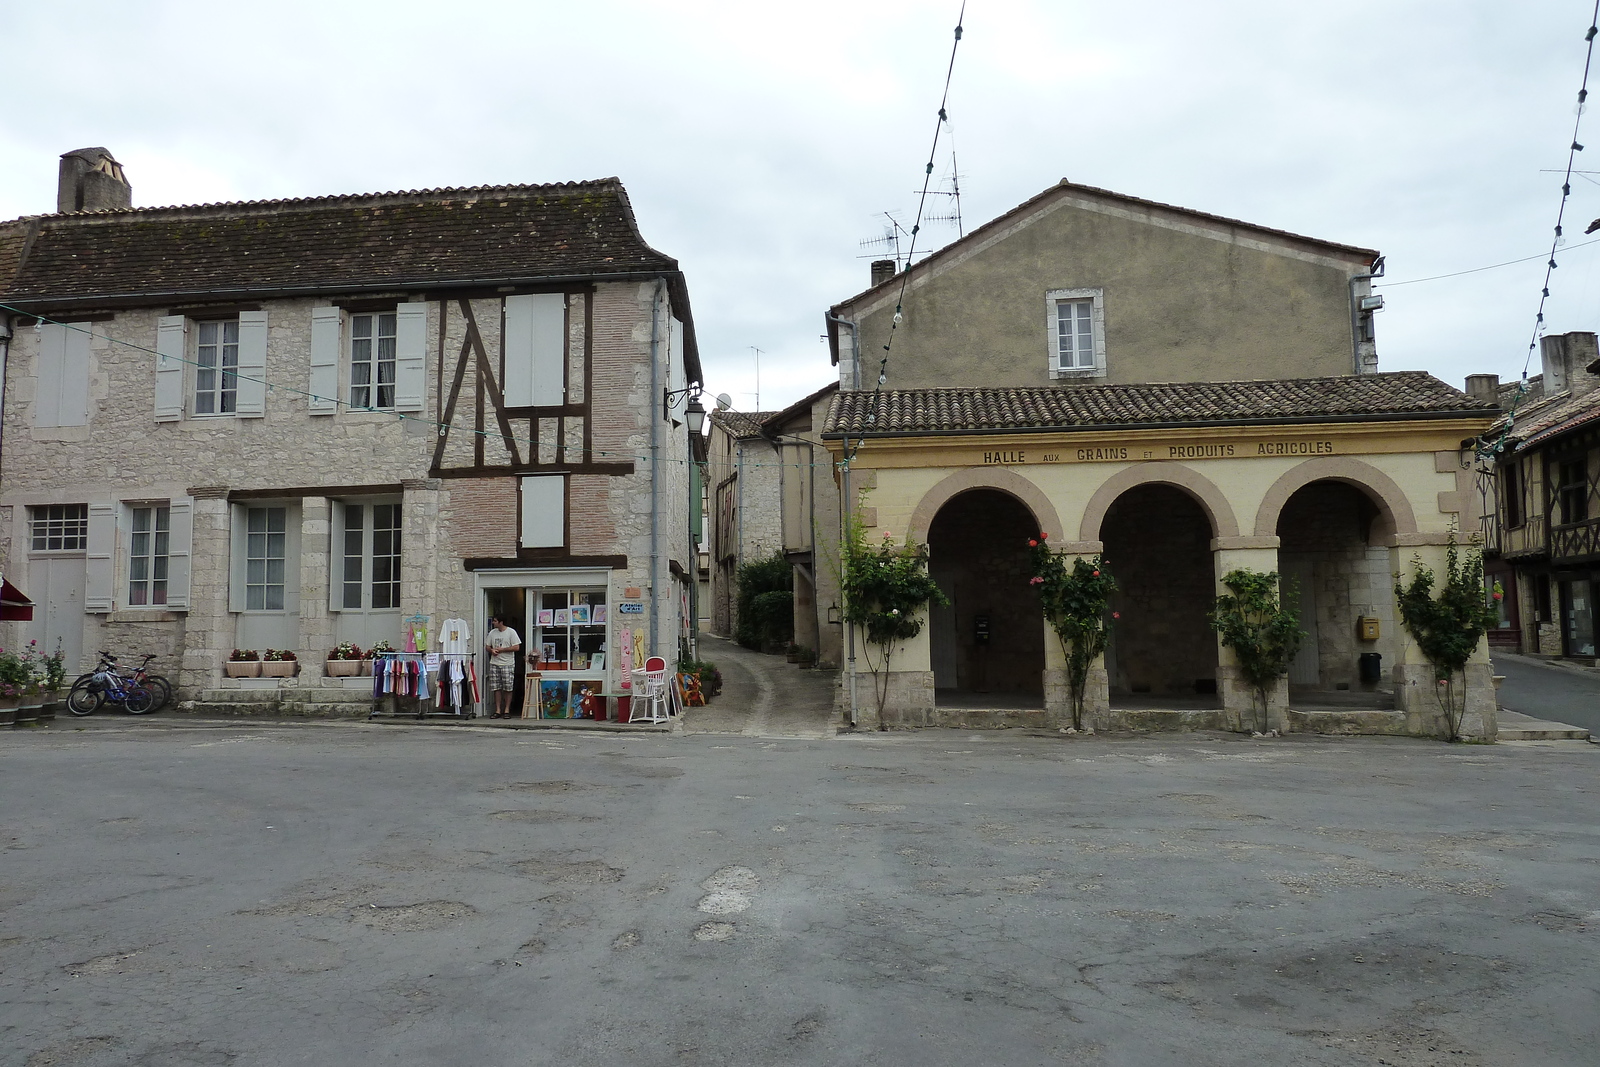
(1540, 419)
(373, 241)
(741, 423)
(1400, 394)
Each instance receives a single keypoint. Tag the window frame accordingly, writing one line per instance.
(1095, 298)
(1515, 514)
(375, 363)
(60, 550)
(265, 585)
(220, 368)
(367, 538)
(158, 557)
(1570, 490)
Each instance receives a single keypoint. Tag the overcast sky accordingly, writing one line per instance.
(760, 143)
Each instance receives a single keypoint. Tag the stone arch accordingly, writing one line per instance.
(1205, 492)
(1395, 514)
(1000, 478)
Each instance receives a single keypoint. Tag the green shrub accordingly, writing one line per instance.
(757, 628)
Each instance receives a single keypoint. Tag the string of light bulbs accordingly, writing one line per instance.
(916, 227)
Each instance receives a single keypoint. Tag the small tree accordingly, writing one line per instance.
(1448, 628)
(1263, 631)
(1075, 600)
(886, 589)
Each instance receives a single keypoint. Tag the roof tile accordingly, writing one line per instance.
(925, 411)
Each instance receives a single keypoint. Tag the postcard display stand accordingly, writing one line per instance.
(567, 656)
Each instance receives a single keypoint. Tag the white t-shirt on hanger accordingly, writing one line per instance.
(455, 637)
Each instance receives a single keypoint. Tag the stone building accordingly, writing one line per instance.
(810, 514)
(744, 485)
(1542, 500)
(293, 423)
(1188, 395)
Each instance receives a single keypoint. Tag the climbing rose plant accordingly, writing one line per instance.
(887, 589)
(1263, 631)
(1447, 628)
(1075, 597)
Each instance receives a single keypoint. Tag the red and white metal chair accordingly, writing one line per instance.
(652, 703)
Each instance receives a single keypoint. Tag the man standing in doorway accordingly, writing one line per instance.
(503, 645)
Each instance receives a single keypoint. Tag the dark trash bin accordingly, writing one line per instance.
(1371, 668)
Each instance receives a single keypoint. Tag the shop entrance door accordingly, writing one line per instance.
(1577, 617)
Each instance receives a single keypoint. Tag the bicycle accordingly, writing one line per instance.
(107, 684)
(159, 687)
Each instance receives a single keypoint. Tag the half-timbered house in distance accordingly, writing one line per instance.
(293, 423)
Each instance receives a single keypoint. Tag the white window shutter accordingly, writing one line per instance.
(180, 544)
(544, 511)
(74, 402)
(410, 356)
(324, 387)
(335, 566)
(518, 378)
(237, 570)
(171, 335)
(99, 576)
(536, 350)
(51, 362)
(252, 396)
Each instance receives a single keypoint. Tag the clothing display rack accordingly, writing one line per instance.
(400, 686)
(457, 685)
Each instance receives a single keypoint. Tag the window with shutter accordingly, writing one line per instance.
(535, 350)
(1076, 322)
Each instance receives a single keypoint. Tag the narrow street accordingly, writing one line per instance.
(1549, 691)
(764, 696)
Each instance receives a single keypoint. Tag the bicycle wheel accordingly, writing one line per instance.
(83, 700)
(160, 688)
(138, 700)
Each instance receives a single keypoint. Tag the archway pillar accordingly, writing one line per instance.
(1238, 695)
(1096, 688)
(1415, 688)
(907, 685)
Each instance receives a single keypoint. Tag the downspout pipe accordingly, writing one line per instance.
(1355, 313)
(855, 347)
(5, 366)
(655, 467)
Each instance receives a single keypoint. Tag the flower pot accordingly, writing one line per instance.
(342, 668)
(8, 710)
(242, 668)
(278, 668)
(366, 668)
(47, 710)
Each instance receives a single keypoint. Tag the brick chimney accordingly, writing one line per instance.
(1567, 358)
(1484, 388)
(882, 270)
(91, 180)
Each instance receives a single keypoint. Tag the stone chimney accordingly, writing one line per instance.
(92, 181)
(1567, 358)
(1484, 388)
(882, 270)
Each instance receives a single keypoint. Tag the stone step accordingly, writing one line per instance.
(1515, 726)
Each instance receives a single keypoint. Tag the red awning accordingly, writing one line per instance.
(14, 607)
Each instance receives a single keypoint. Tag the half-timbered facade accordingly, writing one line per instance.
(1542, 501)
(293, 423)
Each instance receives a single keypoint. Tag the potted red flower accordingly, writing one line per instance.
(344, 661)
(278, 663)
(243, 663)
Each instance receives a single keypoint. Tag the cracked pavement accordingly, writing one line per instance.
(182, 892)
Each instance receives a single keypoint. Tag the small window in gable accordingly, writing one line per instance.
(1076, 324)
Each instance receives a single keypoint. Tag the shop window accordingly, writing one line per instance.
(568, 647)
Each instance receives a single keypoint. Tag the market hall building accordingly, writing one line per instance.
(1186, 394)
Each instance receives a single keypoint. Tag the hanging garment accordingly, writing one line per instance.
(455, 637)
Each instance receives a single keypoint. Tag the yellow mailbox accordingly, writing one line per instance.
(1367, 627)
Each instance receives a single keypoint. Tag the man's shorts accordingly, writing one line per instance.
(502, 677)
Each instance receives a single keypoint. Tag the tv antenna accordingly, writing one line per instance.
(757, 351)
(888, 242)
(953, 194)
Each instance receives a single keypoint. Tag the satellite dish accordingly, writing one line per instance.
(724, 401)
